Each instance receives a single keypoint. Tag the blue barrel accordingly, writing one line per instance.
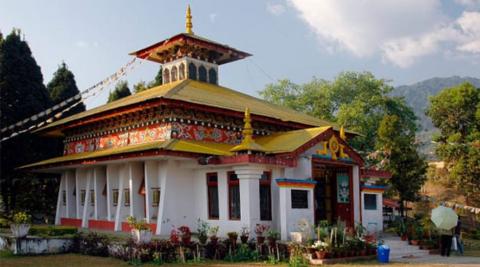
(383, 253)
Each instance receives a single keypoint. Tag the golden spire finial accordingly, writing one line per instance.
(247, 144)
(188, 23)
(342, 134)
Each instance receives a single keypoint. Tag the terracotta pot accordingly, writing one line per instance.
(214, 240)
(260, 240)
(272, 241)
(404, 237)
(202, 239)
(244, 239)
(414, 242)
(321, 254)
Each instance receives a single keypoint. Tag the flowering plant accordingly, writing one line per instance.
(137, 225)
(213, 230)
(174, 236)
(21, 218)
(260, 229)
(202, 227)
(320, 245)
(244, 231)
(184, 231)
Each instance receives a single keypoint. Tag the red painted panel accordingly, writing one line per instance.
(71, 222)
(101, 225)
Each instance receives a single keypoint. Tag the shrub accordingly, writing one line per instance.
(93, 244)
(21, 218)
(51, 230)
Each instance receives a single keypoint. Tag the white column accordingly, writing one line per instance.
(100, 199)
(356, 193)
(86, 202)
(118, 214)
(249, 177)
(109, 191)
(283, 202)
(148, 201)
(71, 200)
(77, 193)
(60, 210)
(162, 181)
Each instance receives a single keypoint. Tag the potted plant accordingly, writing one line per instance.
(202, 231)
(321, 249)
(233, 237)
(20, 224)
(140, 230)
(272, 237)
(244, 234)
(185, 234)
(213, 231)
(259, 231)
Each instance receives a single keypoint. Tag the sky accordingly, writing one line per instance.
(403, 41)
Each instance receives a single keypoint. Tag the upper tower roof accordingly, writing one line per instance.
(191, 45)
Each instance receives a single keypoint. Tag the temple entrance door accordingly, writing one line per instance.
(344, 199)
(333, 194)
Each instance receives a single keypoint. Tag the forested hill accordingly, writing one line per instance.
(417, 95)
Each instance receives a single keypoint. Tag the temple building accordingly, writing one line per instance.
(191, 149)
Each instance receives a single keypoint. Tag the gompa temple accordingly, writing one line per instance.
(191, 149)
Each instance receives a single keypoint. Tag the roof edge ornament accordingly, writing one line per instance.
(188, 22)
(247, 144)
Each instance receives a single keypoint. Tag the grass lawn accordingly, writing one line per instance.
(74, 260)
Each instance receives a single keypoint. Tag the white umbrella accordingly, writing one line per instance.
(444, 218)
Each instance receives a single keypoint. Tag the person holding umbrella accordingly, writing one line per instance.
(445, 219)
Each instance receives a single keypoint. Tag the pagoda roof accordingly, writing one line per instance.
(196, 92)
(167, 49)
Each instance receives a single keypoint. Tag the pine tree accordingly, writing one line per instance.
(23, 94)
(158, 79)
(121, 90)
(63, 86)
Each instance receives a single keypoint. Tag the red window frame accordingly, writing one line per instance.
(267, 183)
(212, 185)
(231, 183)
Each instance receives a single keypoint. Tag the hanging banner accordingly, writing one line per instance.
(343, 188)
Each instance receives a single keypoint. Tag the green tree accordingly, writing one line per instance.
(455, 112)
(158, 80)
(139, 87)
(142, 85)
(23, 94)
(400, 157)
(121, 90)
(63, 86)
(358, 101)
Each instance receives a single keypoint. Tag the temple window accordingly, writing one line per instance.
(166, 76)
(212, 188)
(299, 199)
(370, 201)
(212, 76)
(155, 196)
(192, 71)
(233, 196)
(174, 73)
(202, 74)
(82, 196)
(92, 197)
(115, 197)
(126, 197)
(181, 72)
(266, 197)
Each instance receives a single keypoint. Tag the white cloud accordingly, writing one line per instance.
(400, 32)
(275, 9)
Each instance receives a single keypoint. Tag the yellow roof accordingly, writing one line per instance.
(205, 94)
(284, 142)
(172, 145)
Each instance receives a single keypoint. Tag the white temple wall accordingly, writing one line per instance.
(61, 207)
(276, 173)
(122, 210)
(372, 219)
(152, 181)
(80, 184)
(71, 205)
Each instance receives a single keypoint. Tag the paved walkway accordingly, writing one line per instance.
(402, 252)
